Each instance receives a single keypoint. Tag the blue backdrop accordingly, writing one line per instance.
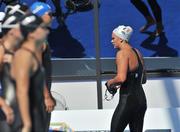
(76, 37)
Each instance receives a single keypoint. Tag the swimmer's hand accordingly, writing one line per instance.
(8, 113)
(50, 103)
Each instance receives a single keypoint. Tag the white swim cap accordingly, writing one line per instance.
(123, 32)
(2, 15)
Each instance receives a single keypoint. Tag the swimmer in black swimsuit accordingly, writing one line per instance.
(130, 71)
(10, 42)
(5, 110)
(46, 14)
(28, 75)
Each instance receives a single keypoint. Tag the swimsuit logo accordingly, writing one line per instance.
(136, 75)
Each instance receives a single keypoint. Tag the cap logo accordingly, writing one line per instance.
(38, 8)
(28, 20)
(14, 9)
(9, 20)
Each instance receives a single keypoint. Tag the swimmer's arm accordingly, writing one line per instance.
(8, 111)
(21, 73)
(2, 102)
(49, 101)
(43, 47)
(122, 68)
(1, 57)
(46, 92)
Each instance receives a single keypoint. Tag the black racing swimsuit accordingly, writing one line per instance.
(36, 97)
(8, 91)
(36, 100)
(132, 102)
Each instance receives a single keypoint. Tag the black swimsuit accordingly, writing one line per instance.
(132, 103)
(8, 91)
(36, 97)
(36, 100)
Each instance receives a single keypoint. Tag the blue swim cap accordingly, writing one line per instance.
(40, 8)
